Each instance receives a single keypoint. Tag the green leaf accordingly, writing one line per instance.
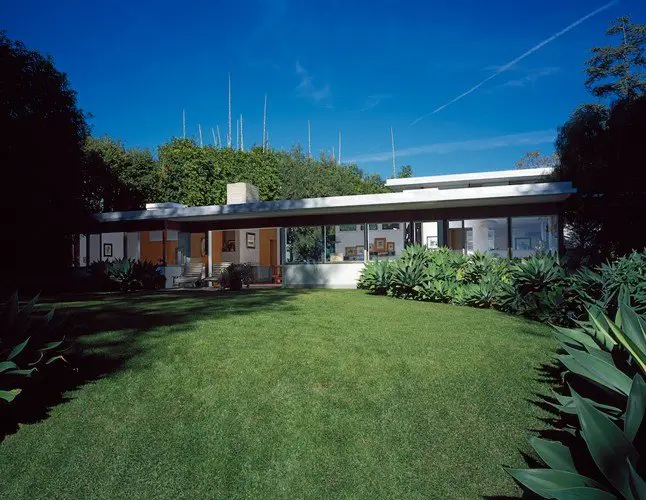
(50, 345)
(577, 335)
(634, 327)
(582, 494)
(607, 444)
(554, 454)
(631, 347)
(7, 365)
(600, 322)
(635, 407)
(9, 396)
(567, 406)
(546, 481)
(636, 483)
(18, 349)
(23, 373)
(596, 370)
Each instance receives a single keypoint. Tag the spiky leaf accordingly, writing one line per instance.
(635, 407)
(545, 481)
(608, 445)
(554, 454)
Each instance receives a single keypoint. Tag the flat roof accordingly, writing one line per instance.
(443, 181)
(386, 207)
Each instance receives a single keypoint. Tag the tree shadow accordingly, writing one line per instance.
(107, 330)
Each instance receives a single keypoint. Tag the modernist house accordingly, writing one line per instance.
(324, 241)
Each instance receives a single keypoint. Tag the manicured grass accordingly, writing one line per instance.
(285, 394)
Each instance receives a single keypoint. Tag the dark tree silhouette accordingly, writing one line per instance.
(41, 156)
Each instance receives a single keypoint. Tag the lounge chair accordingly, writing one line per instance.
(191, 274)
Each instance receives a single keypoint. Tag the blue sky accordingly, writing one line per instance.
(358, 67)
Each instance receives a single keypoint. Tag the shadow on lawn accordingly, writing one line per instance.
(108, 330)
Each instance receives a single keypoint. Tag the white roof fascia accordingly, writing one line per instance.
(412, 199)
(475, 177)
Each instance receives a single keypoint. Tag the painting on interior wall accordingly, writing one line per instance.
(523, 243)
(107, 249)
(251, 240)
(431, 241)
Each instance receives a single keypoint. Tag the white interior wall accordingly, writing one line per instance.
(339, 275)
(248, 255)
(132, 247)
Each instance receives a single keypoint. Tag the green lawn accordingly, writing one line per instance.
(285, 394)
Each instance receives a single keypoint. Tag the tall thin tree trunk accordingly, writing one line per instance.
(199, 131)
(183, 124)
(215, 142)
(309, 139)
(219, 139)
(392, 140)
(339, 147)
(229, 136)
(241, 133)
(264, 126)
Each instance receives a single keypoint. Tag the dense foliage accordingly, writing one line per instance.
(126, 275)
(600, 149)
(41, 154)
(536, 287)
(30, 342)
(602, 430)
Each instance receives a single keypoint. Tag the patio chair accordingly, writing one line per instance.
(191, 274)
(216, 277)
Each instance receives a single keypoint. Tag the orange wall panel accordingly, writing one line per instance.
(266, 235)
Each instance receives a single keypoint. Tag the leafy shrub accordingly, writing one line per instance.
(376, 276)
(601, 286)
(127, 275)
(407, 274)
(606, 361)
(29, 343)
(437, 290)
(235, 275)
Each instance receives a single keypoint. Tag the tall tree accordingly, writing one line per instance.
(534, 159)
(405, 172)
(42, 157)
(124, 179)
(618, 70)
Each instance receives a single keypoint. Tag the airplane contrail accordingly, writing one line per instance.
(519, 58)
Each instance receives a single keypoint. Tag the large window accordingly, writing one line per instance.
(531, 235)
(387, 242)
(304, 245)
(486, 235)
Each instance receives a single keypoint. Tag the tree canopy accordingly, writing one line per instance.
(618, 70)
(41, 152)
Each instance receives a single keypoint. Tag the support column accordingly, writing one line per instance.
(87, 250)
(282, 236)
(101, 246)
(366, 247)
(442, 232)
(209, 252)
(164, 250)
(125, 245)
(510, 249)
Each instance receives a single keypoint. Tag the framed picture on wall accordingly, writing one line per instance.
(358, 250)
(523, 243)
(390, 246)
(431, 242)
(251, 240)
(380, 244)
(107, 249)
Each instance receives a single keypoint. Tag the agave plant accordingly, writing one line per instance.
(123, 272)
(607, 360)
(29, 342)
(436, 291)
(612, 448)
(376, 276)
(482, 265)
(407, 276)
(482, 294)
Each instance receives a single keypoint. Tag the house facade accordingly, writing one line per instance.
(325, 241)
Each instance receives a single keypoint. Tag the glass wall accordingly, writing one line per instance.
(304, 245)
(386, 240)
(486, 235)
(531, 235)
